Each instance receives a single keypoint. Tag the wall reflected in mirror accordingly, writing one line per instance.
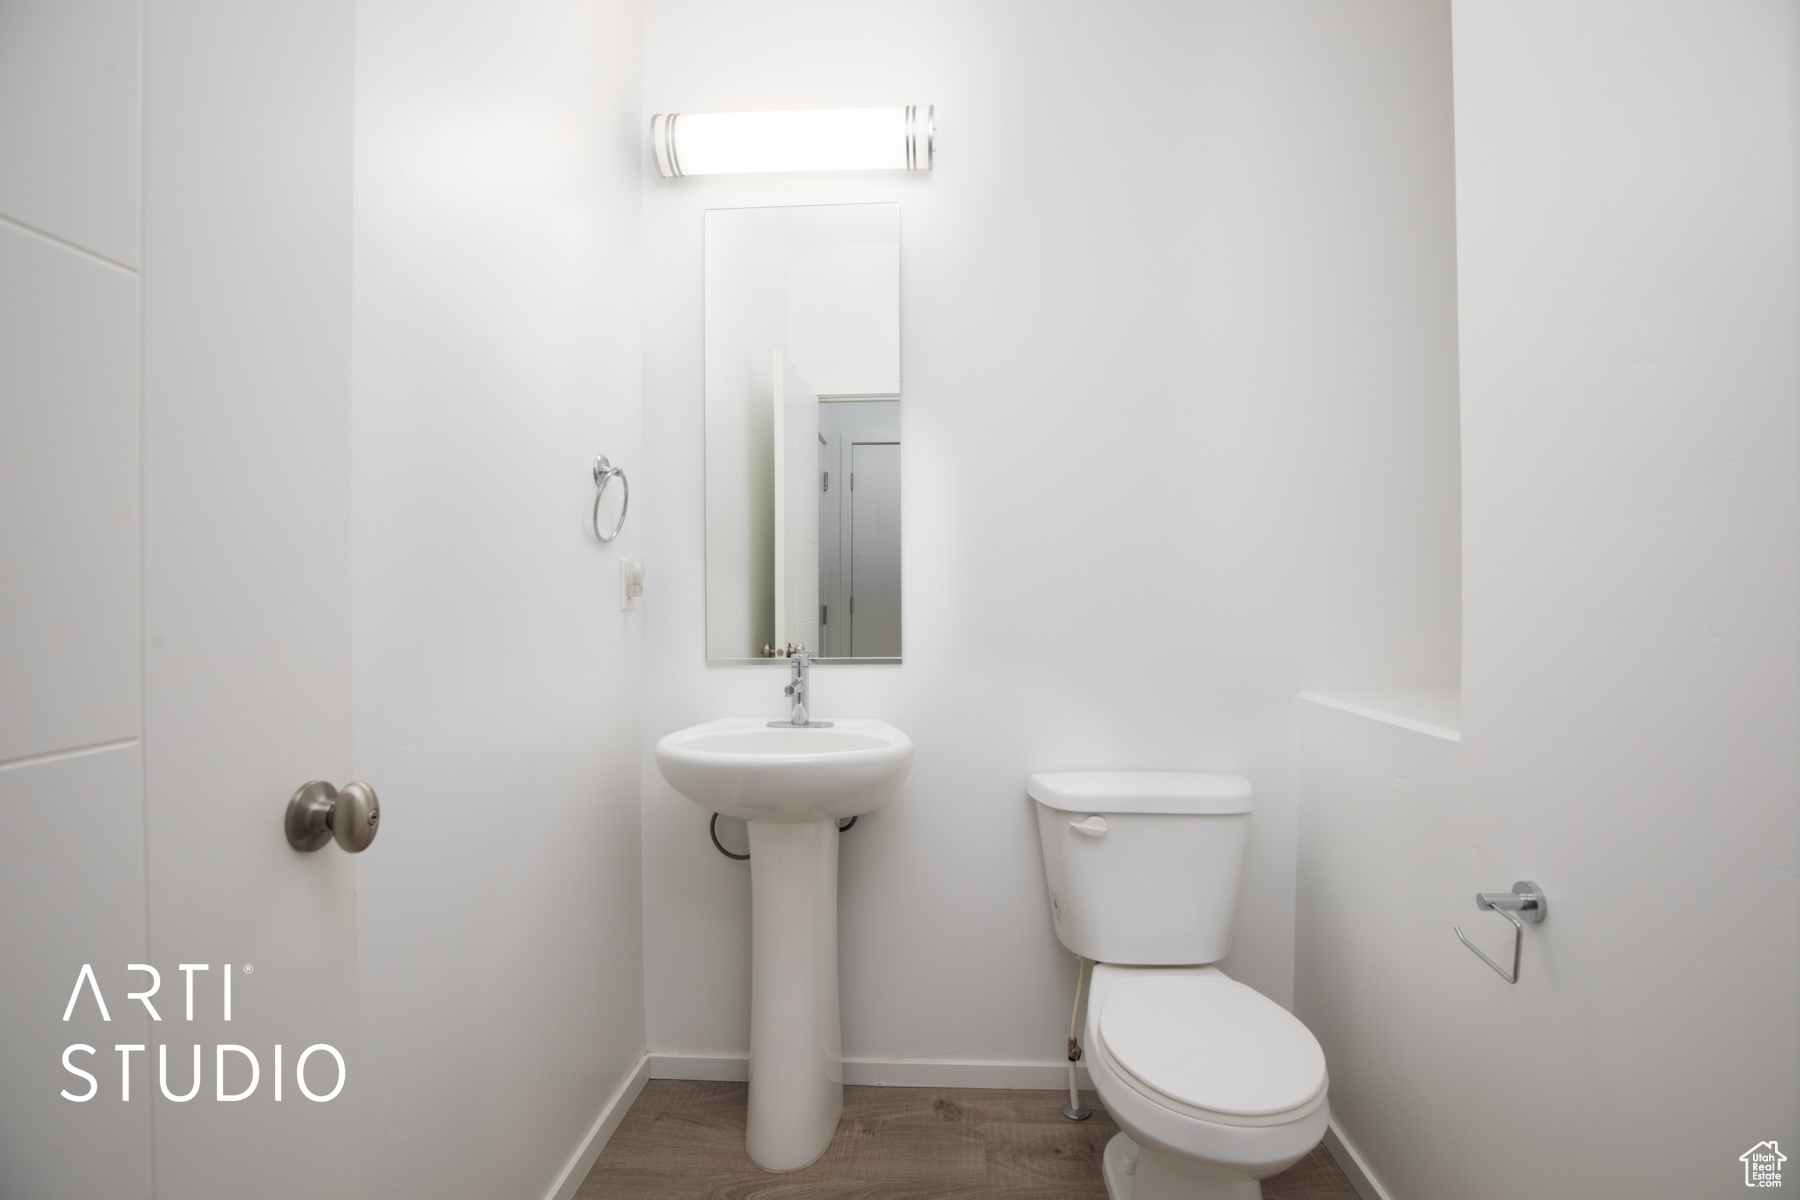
(803, 431)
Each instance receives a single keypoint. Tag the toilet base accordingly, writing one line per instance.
(1133, 1173)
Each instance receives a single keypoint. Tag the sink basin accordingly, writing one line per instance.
(743, 767)
(792, 784)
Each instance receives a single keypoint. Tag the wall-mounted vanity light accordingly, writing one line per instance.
(817, 139)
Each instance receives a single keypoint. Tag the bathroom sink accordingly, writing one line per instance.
(743, 767)
(792, 783)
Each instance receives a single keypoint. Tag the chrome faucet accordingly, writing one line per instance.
(799, 687)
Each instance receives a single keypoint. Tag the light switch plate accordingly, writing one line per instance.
(631, 582)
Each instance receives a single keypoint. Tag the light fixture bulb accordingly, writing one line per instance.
(814, 139)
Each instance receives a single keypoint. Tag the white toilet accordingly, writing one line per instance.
(1215, 1085)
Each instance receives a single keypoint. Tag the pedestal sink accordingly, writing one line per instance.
(792, 784)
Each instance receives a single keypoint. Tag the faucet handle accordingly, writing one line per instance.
(800, 658)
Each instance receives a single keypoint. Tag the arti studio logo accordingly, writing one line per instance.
(243, 1063)
(1762, 1165)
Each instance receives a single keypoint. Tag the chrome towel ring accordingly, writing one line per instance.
(605, 473)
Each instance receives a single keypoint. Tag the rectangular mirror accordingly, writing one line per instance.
(803, 432)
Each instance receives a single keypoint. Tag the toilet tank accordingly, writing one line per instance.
(1143, 866)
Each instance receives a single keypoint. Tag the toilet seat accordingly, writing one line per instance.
(1162, 1125)
(1207, 1046)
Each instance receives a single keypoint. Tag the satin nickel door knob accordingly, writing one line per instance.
(319, 812)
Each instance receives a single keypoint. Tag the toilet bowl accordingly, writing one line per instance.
(1215, 1086)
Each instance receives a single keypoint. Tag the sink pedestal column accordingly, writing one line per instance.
(796, 1056)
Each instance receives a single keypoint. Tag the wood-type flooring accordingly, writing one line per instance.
(684, 1140)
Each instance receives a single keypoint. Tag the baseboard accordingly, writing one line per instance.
(723, 1068)
(611, 1113)
(1353, 1166)
(964, 1073)
(888, 1072)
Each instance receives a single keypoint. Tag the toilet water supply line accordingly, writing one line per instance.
(1075, 1110)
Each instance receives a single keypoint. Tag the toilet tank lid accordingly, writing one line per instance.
(1152, 792)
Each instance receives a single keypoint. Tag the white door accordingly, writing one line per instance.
(175, 595)
(797, 445)
(874, 606)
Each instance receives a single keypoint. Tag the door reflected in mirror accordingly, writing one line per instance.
(803, 431)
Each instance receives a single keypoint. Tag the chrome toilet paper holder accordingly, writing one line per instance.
(1524, 903)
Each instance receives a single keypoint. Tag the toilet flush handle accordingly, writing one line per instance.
(1091, 827)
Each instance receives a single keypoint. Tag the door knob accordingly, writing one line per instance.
(319, 812)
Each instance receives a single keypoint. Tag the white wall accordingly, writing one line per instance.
(1178, 356)
(1401, 1008)
(496, 338)
(1627, 187)
(877, 420)
(1627, 183)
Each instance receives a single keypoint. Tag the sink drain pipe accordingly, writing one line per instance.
(1074, 1109)
(713, 829)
